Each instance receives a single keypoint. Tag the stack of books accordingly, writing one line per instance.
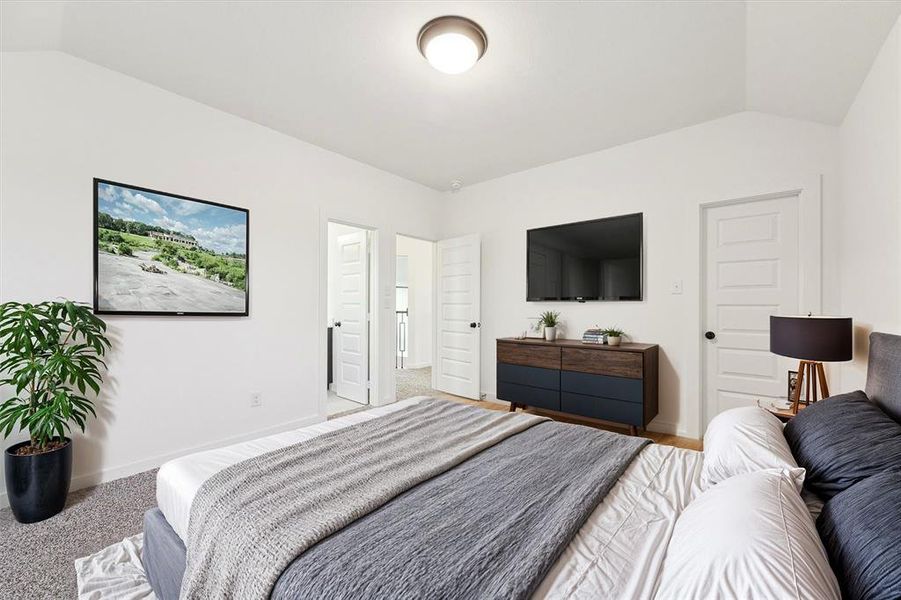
(593, 336)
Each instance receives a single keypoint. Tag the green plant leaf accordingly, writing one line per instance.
(51, 354)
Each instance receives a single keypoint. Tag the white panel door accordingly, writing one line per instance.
(458, 322)
(352, 320)
(752, 272)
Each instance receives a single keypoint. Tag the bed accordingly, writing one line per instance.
(617, 553)
(665, 523)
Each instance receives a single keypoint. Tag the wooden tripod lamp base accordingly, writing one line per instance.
(812, 373)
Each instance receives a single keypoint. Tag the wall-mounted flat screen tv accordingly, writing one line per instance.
(157, 253)
(589, 260)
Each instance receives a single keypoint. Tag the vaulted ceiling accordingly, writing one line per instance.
(558, 79)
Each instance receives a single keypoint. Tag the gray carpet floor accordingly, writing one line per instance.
(37, 560)
(414, 382)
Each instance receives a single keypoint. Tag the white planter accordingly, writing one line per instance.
(550, 333)
(613, 341)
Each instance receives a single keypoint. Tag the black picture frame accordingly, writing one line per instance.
(792, 384)
(97, 182)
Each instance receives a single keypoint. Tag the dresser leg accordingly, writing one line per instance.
(512, 407)
(633, 430)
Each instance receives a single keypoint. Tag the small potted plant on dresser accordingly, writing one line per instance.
(614, 336)
(550, 320)
(51, 356)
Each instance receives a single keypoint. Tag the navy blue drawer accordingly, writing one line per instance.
(602, 408)
(618, 388)
(531, 376)
(530, 396)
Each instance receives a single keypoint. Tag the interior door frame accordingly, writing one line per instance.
(810, 259)
(375, 308)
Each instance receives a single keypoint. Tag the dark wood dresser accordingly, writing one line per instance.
(613, 383)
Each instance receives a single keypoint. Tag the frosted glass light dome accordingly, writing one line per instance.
(452, 44)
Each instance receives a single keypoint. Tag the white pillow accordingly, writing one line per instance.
(744, 440)
(748, 537)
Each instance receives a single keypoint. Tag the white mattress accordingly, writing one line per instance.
(618, 553)
(179, 480)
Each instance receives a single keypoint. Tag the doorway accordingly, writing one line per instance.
(760, 256)
(414, 317)
(349, 318)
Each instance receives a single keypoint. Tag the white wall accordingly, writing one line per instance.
(181, 383)
(665, 177)
(419, 253)
(870, 238)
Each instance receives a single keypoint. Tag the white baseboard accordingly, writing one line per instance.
(113, 473)
(667, 427)
(489, 397)
(417, 365)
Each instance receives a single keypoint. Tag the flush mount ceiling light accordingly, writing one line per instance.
(452, 44)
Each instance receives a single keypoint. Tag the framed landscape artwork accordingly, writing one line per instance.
(157, 253)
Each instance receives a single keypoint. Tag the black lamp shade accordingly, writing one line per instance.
(820, 339)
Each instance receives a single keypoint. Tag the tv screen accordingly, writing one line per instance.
(590, 260)
(157, 253)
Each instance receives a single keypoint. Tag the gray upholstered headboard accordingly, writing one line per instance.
(884, 373)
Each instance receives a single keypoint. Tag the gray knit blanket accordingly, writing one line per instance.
(489, 528)
(251, 520)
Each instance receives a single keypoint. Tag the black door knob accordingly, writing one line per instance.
(337, 323)
(709, 335)
(473, 325)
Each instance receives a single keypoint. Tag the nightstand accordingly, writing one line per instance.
(784, 414)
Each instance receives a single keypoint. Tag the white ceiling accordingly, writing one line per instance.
(558, 80)
(808, 59)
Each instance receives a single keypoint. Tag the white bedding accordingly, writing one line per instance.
(617, 553)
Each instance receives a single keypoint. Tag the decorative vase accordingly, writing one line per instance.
(37, 484)
(550, 333)
(613, 340)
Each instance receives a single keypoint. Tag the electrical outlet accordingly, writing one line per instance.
(256, 399)
(676, 286)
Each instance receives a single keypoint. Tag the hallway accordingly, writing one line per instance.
(414, 382)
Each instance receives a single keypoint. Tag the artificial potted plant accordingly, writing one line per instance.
(51, 356)
(550, 320)
(614, 336)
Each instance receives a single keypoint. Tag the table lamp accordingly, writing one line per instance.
(812, 340)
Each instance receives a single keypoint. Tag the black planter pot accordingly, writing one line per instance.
(37, 485)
